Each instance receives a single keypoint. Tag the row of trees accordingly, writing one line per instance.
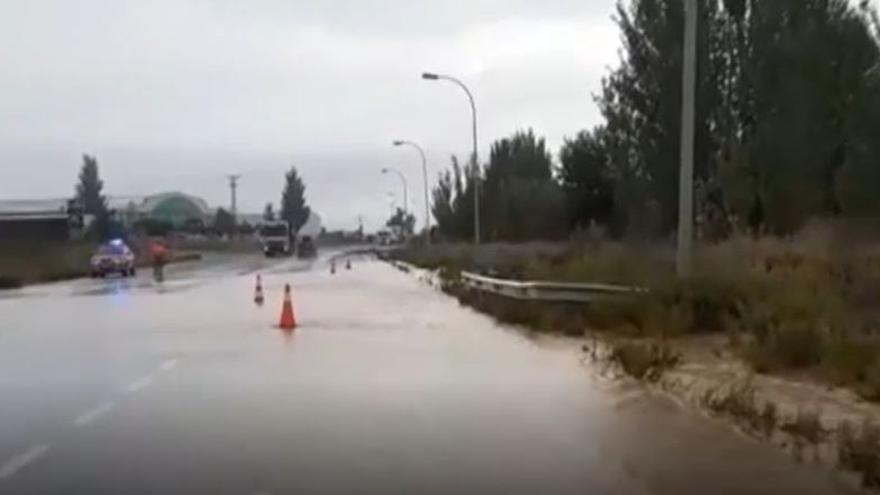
(788, 107)
(520, 197)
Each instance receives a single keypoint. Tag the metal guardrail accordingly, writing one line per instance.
(549, 291)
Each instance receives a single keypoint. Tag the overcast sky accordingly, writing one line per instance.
(175, 94)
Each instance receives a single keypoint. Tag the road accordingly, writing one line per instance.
(387, 386)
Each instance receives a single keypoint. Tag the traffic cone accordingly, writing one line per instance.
(258, 292)
(288, 321)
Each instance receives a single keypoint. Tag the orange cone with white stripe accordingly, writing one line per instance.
(288, 320)
(258, 292)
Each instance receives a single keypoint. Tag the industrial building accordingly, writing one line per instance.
(58, 219)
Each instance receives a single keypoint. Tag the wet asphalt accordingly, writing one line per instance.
(125, 386)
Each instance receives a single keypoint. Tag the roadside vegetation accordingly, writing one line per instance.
(788, 263)
(807, 304)
(26, 263)
(786, 277)
(803, 308)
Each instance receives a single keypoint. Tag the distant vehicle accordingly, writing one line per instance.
(113, 257)
(383, 238)
(306, 248)
(275, 238)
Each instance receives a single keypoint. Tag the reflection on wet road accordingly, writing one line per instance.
(387, 386)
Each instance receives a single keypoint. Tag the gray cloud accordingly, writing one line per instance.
(174, 94)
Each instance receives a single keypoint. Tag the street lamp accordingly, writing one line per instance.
(389, 170)
(401, 142)
(429, 76)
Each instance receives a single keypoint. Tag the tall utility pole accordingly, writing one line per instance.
(686, 177)
(430, 76)
(233, 186)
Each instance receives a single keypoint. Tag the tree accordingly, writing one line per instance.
(453, 204)
(521, 199)
(442, 207)
(587, 181)
(224, 222)
(269, 212)
(801, 78)
(784, 98)
(89, 196)
(293, 202)
(404, 221)
(641, 103)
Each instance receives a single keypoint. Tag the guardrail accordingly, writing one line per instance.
(548, 291)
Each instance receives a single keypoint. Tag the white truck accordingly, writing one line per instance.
(275, 238)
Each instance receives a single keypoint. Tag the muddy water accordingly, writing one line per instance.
(387, 386)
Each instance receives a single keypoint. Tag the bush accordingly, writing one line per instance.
(794, 347)
(9, 282)
(28, 262)
(642, 360)
(859, 451)
(809, 302)
(848, 358)
(740, 402)
(869, 388)
(806, 426)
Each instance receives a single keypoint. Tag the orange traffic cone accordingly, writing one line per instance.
(288, 321)
(258, 292)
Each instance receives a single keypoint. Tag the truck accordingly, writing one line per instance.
(275, 238)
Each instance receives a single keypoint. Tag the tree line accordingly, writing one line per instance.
(787, 109)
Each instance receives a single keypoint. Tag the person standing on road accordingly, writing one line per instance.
(159, 256)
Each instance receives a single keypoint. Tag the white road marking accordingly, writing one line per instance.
(139, 384)
(21, 461)
(168, 365)
(94, 413)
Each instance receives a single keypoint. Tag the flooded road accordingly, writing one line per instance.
(387, 387)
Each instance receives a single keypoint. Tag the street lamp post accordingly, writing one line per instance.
(476, 169)
(389, 170)
(402, 142)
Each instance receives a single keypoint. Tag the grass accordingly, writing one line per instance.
(808, 303)
(806, 426)
(739, 402)
(23, 263)
(644, 360)
(859, 451)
